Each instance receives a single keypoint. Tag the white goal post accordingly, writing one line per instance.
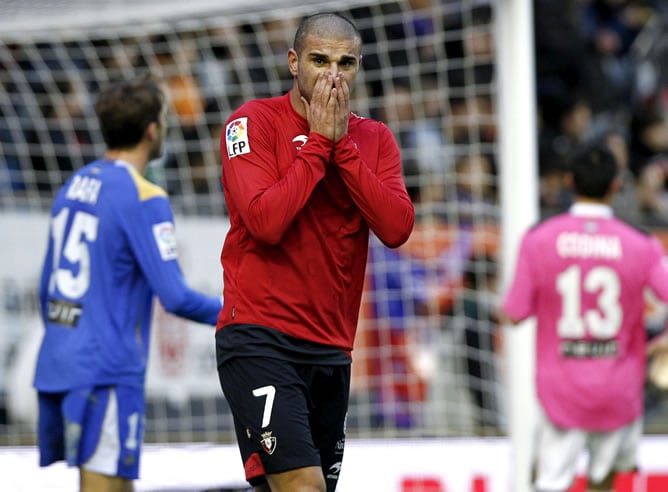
(519, 210)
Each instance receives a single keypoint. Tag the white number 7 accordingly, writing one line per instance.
(270, 393)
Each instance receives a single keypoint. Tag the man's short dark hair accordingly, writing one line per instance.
(324, 24)
(594, 168)
(125, 109)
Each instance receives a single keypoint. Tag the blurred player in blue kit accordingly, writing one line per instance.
(111, 249)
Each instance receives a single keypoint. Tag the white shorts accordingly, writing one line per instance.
(558, 451)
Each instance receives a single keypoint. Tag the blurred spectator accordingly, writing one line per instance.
(398, 24)
(411, 290)
(475, 310)
(649, 139)
(553, 193)
(415, 126)
(115, 60)
(399, 317)
(10, 133)
(626, 202)
(215, 70)
(471, 120)
(590, 70)
(560, 45)
(187, 173)
(62, 140)
(610, 27)
(649, 163)
(565, 122)
(472, 201)
(175, 57)
(471, 58)
(274, 42)
(391, 332)
(254, 72)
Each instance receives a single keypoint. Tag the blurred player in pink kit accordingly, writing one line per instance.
(583, 275)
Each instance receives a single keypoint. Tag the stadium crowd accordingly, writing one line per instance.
(600, 73)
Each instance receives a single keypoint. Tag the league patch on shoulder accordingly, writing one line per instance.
(236, 137)
(165, 239)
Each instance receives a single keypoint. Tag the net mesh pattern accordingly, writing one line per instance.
(426, 362)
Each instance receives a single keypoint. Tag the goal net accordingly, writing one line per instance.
(425, 363)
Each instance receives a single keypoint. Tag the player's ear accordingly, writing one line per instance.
(615, 185)
(293, 62)
(568, 181)
(152, 131)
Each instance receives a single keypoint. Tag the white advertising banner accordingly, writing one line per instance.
(383, 465)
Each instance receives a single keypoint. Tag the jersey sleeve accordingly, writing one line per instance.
(267, 201)
(658, 272)
(518, 302)
(153, 240)
(381, 196)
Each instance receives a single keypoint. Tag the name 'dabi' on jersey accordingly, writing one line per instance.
(84, 189)
(578, 245)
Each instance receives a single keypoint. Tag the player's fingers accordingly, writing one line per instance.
(321, 91)
(658, 369)
(343, 90)
(331, 103)
(338, 91)
(659, 344)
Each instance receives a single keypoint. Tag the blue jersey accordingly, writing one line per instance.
(111, 249)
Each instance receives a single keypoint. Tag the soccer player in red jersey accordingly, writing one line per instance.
(305, 180)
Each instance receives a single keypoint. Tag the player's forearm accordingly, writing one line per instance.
(382, 200)
(270, 213)
(192, 305)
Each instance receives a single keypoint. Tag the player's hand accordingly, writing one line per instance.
(342, 92)
(321, 111)
(657, 345)
(657, 352)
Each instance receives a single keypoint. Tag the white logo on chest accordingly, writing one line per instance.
(300, 140)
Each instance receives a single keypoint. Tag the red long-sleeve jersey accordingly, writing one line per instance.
(300, 211)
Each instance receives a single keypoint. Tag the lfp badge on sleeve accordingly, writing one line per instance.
(236, 137)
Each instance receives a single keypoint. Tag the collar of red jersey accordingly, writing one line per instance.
(591, 210)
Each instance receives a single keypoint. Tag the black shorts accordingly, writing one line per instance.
(287, 415)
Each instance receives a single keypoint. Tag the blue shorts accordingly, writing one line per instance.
(99, 429)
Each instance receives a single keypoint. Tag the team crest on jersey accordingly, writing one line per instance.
(165, 239)
(236, 137)
(268, 442)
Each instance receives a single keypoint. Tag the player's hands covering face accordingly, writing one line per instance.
(329, 109)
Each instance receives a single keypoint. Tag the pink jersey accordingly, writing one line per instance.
(583, 275)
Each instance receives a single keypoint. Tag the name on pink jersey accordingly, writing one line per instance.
(578, 245)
